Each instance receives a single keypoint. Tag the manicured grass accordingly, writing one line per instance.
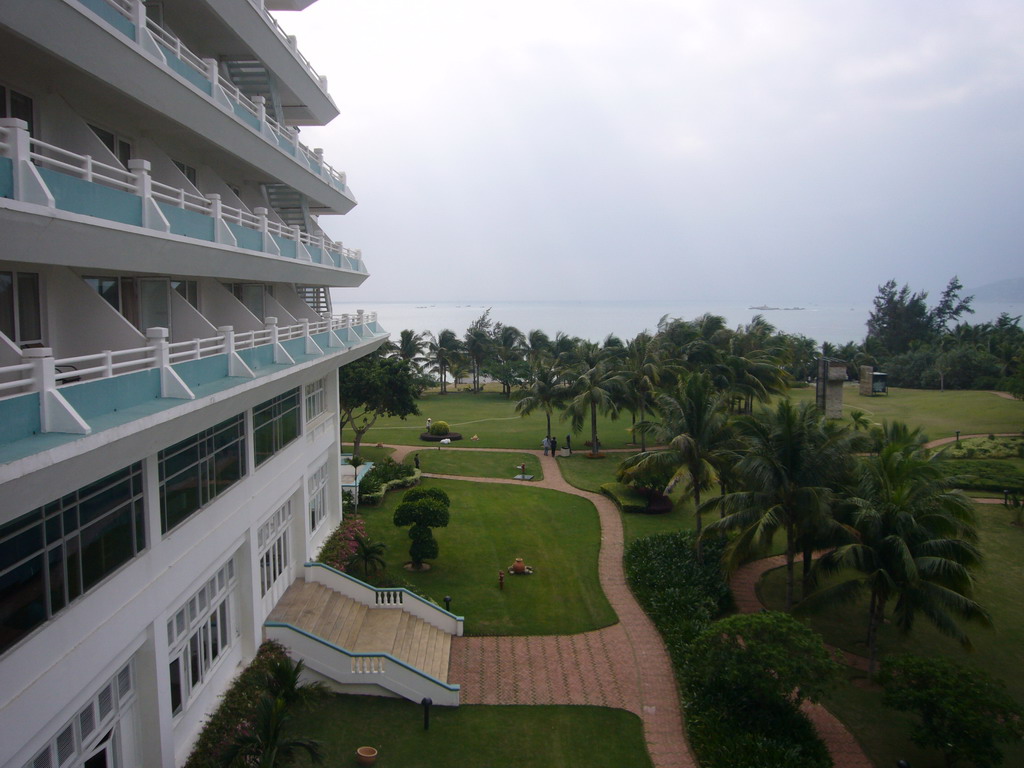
(491, 525)
(940, 414)
(465, 463)
(370, 452)
(493, 418)
(590, 474)
(996, 650)
(539, 737)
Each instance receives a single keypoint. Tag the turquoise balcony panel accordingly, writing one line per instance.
(286, 144)
(287, 246)
(247, 238)
(197, 79)
(246, 116)
(188, 223)
(315, 253)
(117, 393)
(6, 177)
(374, 328)
(20, 416)
(103, 9)
(297, 349)
(196, 373)
(80, 196)
(258, 358)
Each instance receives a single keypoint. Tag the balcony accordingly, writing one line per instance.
(34, 171)
(121, 32)
(46, 402)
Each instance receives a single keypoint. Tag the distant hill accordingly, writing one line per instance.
(1011, 289)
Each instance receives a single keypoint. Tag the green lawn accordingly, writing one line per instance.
(996, 650)
(466, 463)
(590, 474)
(370, 452)
(496, 737)
(491, 525)
(940, 414)
(493, 418)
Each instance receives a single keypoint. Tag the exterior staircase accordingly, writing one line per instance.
(368, 637)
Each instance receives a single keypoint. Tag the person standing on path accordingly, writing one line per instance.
(554, 445)
(568, 444)
(429, 422)
(546, 442)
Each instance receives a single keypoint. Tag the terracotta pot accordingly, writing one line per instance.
(519, 566)
(366, 756)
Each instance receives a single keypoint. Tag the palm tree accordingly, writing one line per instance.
(410, 347)
(697, 432)
(593, 388)
(368, 555)
(546, 393)
(788, 459)
(641, 373)
(264, 744)
(444, 349)
(915, 545)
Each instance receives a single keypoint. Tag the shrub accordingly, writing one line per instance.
(341, 543)
(626, 499)
(984, 475)
(439, 428)
(237, 708)
(388, 469)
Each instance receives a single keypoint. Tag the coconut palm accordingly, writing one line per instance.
(444, 349)
(914, 547)
(410, 348)
(640, 370)
(368, 555)
(789, 458)
(594, 387)
(697, 431)
(546, 393)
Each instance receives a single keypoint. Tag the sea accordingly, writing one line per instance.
(595, 320)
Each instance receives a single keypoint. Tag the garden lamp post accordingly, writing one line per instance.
(958, 435)
(1006, 497)
(448, 603)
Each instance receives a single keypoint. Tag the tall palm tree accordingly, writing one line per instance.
(697, 431)
(410, 347)
(477, 344)
(593, 388)
(914, 547)
(640, 369)
(788, 460)
(444, 349)
(546, 393)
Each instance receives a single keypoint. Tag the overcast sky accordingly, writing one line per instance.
(756, 151)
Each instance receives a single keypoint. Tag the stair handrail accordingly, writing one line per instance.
(444, 694)
(389, 597)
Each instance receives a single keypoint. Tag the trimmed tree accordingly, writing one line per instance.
(372, 387)
(423, 509)
(962, 712)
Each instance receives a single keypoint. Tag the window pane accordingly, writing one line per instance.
(29, 324)
(22, 601)
(106, 545)
(175, 670)
(7, 304)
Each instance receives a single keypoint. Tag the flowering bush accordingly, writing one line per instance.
(339, 546)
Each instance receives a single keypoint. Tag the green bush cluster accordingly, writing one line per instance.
(986, 448)
(683, 597)
(993, 475)
(439, 428)
(237, 707)
(626, 499)
(384, 476)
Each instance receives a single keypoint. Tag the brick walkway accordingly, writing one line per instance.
(845, 751)
(624, 666)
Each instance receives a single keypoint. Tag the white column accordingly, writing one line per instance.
(221, 231)
(152, 216)
(269, 246)
(171, 384)
(29, 186)
(55, 413)
(236, 365)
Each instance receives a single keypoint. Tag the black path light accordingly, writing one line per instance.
(448, 603)
(426, 713)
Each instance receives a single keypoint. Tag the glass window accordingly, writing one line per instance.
(17, 105)
(317, 497)
(187, 171)
(316, 398)
(188, 290)
(196, 646)
(108, 288)
(197, 470)
(119, 147)
(20, 316)
(52, 555)
(275, 423)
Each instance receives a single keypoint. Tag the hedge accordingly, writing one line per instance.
(993, 475)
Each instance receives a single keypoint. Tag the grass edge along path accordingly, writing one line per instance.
(624, 666)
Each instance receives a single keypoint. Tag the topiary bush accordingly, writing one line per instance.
(439, 428)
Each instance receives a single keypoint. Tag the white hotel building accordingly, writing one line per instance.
(169, 455)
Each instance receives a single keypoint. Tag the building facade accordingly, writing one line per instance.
(168, 359)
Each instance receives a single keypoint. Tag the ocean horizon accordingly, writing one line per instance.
(594, 320)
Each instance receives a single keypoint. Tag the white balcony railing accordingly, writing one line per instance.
(13, 142)
(276, 133)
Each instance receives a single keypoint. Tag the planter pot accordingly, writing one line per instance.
(519, 566)
(366, 756)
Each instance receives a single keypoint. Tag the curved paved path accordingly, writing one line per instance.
(624, 666)
(844, 748)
